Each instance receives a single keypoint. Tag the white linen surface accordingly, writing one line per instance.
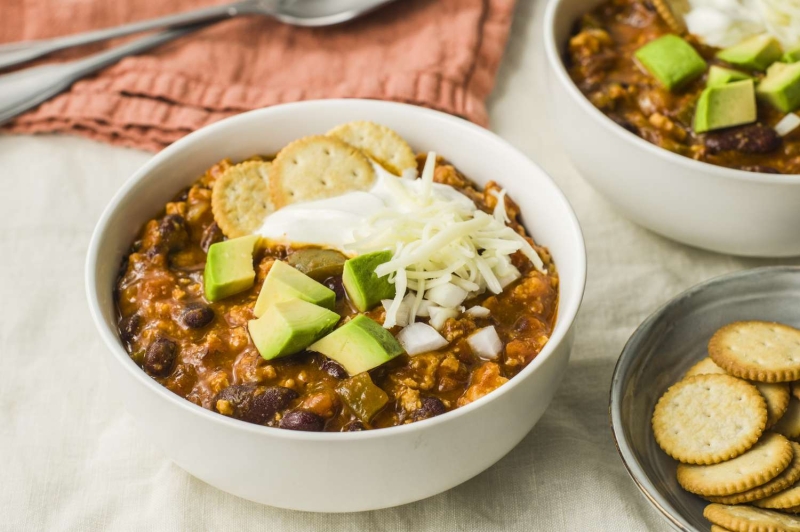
(72, 459)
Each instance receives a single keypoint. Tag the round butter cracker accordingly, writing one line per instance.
(240, 198)
(707, 419)
(749, 519)
(757, 350)
(787, 478)
(380, 143)
(318, 167)
(775, 394)
(764, 461)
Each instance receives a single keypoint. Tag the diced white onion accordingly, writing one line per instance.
(420, 338)
(478, 312)
(485, 343)
(403, 316)
(440, 315)
(424, 307)
(511, 275)
(789, 123)
(446, 295)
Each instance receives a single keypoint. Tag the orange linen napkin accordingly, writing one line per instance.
(442, 54)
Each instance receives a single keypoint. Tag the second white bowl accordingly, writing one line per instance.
(707, 206)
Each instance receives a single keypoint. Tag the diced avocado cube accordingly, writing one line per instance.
(757, 52)
(671, 60)
(229, 267)
(284, 283)
(792, 56)
(362, 284)
(359, 345)
(781, 87)
(725, 106)
(362, 396)
(290, 326)
(718, 75)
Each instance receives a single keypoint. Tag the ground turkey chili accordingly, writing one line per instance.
(600, 60)
(202, 351)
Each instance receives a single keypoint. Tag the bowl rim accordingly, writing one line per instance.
(567, 310)
(558, 68)
(627, 354)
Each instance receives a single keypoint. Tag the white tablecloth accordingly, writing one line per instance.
(72, 459)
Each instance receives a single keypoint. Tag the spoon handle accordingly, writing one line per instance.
(17, 53)
(25, 89)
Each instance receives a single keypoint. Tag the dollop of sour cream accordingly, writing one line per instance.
(725, 23)
(332, 222)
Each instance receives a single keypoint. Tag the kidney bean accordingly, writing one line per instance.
(197, 316)
(254, 404)
(302, 420)
(624, 124)
(431, 407)
(754, 138)
(335, 284)
(159, 357)
(211, 235)
(172, 230)
(129, 327)
(354, 426)
(332, 368)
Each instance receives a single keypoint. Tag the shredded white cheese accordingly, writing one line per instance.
(445, 252)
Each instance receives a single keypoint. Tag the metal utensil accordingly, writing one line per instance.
(308, 13)
(25, 89)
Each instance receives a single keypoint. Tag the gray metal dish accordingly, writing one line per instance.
(662, 349)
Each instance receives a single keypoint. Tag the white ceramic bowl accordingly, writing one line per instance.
(716, 208)
(338, 472)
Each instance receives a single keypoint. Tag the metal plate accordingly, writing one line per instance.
(662, 349)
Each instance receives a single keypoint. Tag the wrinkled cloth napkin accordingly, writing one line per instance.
(442, 54)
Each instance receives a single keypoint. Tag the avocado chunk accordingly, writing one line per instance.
(781, 87)
(319, 264)
(362, 284)
(792, 56)
(362, 396)
(359, 345)
(718, 75)
(671, 60)
(229, 267)
(290, 326)
(725, 106)
(284, 283)
(757, 52)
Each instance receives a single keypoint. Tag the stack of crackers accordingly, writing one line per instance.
(310, 168)
(733, 423)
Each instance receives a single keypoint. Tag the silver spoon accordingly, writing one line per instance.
(308, 13)
(25, 89)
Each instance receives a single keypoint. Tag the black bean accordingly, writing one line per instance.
(431, 407)
(335, 284)
(254, 404)
(624, 124)
(172, 230)
(159, 357)
(211, 235)
(754, 138)
(354, 426)
(760, 168)
(197, 316)
(302, 420)
(332, 368)
(129, 327)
